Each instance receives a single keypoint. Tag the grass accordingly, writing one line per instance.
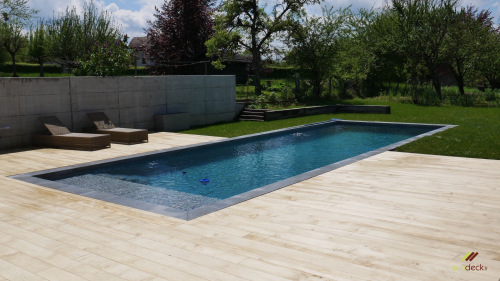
(477, 134)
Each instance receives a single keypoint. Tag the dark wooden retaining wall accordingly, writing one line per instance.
(306, 111)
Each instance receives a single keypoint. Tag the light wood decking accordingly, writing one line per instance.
(395, 216)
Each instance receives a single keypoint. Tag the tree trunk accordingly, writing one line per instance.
(437, 86)
(297, 87)
(330, 88)
(256, 61)
(435, 79)
(493, 83)
(460, 82)
(317, 87)
(397, 87)
(14, 72)
(42, 74)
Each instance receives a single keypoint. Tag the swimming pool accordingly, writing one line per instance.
(196, 180)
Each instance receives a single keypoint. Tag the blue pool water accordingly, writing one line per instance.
(238, 166)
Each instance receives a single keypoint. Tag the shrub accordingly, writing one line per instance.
(106, 59)
(259, 102)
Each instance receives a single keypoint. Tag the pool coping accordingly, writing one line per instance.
(35, 177)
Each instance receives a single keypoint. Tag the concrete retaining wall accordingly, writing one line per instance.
(128, 101)
(314, 110)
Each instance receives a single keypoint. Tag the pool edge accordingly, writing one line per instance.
(34, 178)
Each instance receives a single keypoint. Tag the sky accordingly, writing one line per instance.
(133, 15)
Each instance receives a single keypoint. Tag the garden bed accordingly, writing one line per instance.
(271, 115)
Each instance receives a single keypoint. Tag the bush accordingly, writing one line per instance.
(258, 102)
(106, 59)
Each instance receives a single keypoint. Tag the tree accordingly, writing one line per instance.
(179, 33)
(38, 45)
(12, 40)
(315, 44)
(73, 35)
(489, 60)
(466, 42)
(421, 27)
(244, 25)
(16, 9)
(106, 59)
(14, 16)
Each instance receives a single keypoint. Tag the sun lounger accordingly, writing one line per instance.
(61, 137)
(123, 135)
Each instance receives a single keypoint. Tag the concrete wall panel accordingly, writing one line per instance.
(82, 85)
(198, 120)
(94, 101)
(220, 81)
(127, 101)
(185, 82)
(177, 107)
(9, 106)
(40, 104)
(15, 125)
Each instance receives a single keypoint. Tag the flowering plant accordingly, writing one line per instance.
(106, 59)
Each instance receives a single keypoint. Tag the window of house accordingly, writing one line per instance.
(144, 60)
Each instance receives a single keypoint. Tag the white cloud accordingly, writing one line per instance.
(133, 22)
(112, 8)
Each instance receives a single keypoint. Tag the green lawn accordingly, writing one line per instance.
(477, 136)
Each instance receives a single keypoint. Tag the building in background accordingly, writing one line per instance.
(199, 64)
(137, 42)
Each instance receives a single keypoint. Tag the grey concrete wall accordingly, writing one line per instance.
(129, 102)
(205, 98)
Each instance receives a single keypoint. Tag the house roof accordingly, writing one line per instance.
(137, 42)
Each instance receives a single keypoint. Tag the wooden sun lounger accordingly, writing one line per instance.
(62, 138)
(123, 135)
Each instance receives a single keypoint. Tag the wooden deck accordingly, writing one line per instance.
(395, 216)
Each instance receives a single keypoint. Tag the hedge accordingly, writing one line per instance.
(30, 68)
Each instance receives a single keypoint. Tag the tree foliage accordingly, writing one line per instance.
(12, 40)
(315, 44)
(106, 59)
(178, 34)
(73, 34)
(467, 41)
(38, 45)
(15, 14)
(16, 10)
(421, 27)
(246, 25)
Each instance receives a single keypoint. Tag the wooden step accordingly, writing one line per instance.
(252, 113)
(247, 119)
(252, 117)
(255, 110)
